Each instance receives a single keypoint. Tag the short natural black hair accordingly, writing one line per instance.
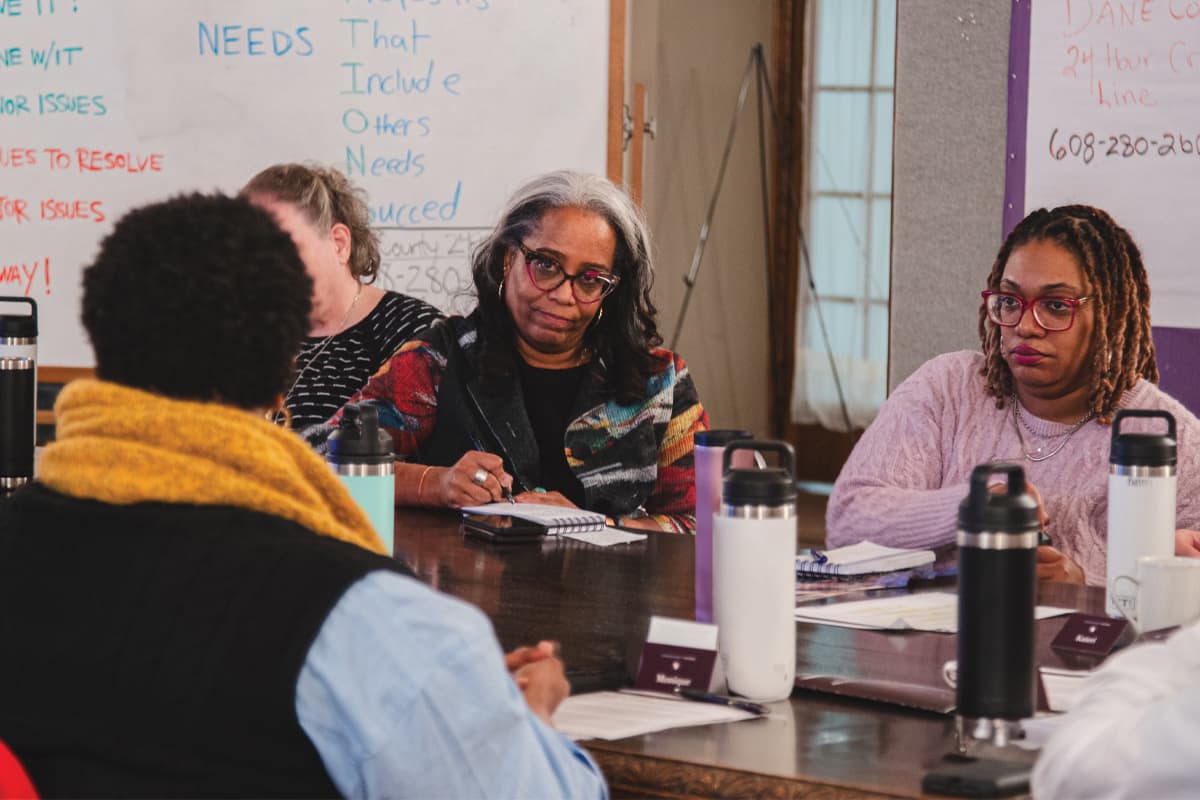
(199, 297)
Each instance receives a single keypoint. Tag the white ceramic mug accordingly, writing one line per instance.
(1165, 593)
(950, 673)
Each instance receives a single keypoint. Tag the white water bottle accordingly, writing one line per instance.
(754, 574)
(1141, 504)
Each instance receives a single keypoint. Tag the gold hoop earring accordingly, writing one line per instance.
(599, 316)
(273, 416)
(500, 290)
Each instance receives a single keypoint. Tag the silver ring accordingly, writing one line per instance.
(480, 477)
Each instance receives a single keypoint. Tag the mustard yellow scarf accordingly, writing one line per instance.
(121, 445)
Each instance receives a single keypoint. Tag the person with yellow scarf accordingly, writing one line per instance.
(191, 604)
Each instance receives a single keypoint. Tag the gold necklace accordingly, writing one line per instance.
(321, 347)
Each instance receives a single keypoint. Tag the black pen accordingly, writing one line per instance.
(722, 700)
(505, 492)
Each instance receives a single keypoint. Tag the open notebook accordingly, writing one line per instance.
(557, 519)
(860, 559)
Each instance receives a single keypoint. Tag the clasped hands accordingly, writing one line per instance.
(538, 673)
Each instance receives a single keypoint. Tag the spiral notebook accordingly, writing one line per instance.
(860, 559)
(557, 519)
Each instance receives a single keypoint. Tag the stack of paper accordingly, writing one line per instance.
(556, 519)
(571, 523)
(617, 715)
(1061, 686)
(924, 611)
(860, 559)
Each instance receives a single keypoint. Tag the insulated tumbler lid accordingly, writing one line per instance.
(1143, 449)
(23, 326)
(358, 438)
(752, 486)
(1013, 511)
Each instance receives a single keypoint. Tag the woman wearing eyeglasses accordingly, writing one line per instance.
(1065, 330)
(554, 388)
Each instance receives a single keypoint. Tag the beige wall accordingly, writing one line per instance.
(691, 55)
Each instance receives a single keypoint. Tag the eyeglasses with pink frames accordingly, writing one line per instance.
(589, 286)
(1052, 313)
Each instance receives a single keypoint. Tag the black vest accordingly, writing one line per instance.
(153, 649)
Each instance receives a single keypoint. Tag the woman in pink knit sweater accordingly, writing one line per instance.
(1065, 329)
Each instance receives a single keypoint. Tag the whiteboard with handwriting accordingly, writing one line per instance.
(1113, 120)
(438, 108)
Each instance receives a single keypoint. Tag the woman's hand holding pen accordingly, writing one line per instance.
(475, 479)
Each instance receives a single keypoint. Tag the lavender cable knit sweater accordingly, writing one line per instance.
(902, 484)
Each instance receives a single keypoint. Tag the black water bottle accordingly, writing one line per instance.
(997, 596)
(18, 393)
(16, 423)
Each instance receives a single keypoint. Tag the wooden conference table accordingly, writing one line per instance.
(598, 601)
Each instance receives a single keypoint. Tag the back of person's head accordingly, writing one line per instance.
(200, 297)
(324, 196)
(1111, 263)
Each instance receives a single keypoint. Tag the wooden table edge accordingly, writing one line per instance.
(642, 775)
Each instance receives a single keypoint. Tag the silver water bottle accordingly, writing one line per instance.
(18, 394)
(362, 455)
(997, 595)
(1141, 503)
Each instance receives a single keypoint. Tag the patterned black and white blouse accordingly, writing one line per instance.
(327, 375)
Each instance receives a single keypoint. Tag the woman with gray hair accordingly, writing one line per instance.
(555, 388)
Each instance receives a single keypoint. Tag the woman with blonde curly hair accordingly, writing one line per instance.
(1065, 332)
(355, 326)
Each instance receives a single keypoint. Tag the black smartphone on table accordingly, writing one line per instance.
(963, 776)
(502, 529)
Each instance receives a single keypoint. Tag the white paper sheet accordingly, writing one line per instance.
(607, 537)
(1038, 730)
(928, 611)
(1061, 686)
(617, 715)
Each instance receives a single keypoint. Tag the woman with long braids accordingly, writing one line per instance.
(555, 387)
(1065, 331)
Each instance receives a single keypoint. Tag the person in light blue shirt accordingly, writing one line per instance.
(191, 603)
(406, 693)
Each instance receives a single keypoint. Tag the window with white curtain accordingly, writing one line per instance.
(847, 215)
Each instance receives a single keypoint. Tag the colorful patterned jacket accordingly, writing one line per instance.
(626, 456)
